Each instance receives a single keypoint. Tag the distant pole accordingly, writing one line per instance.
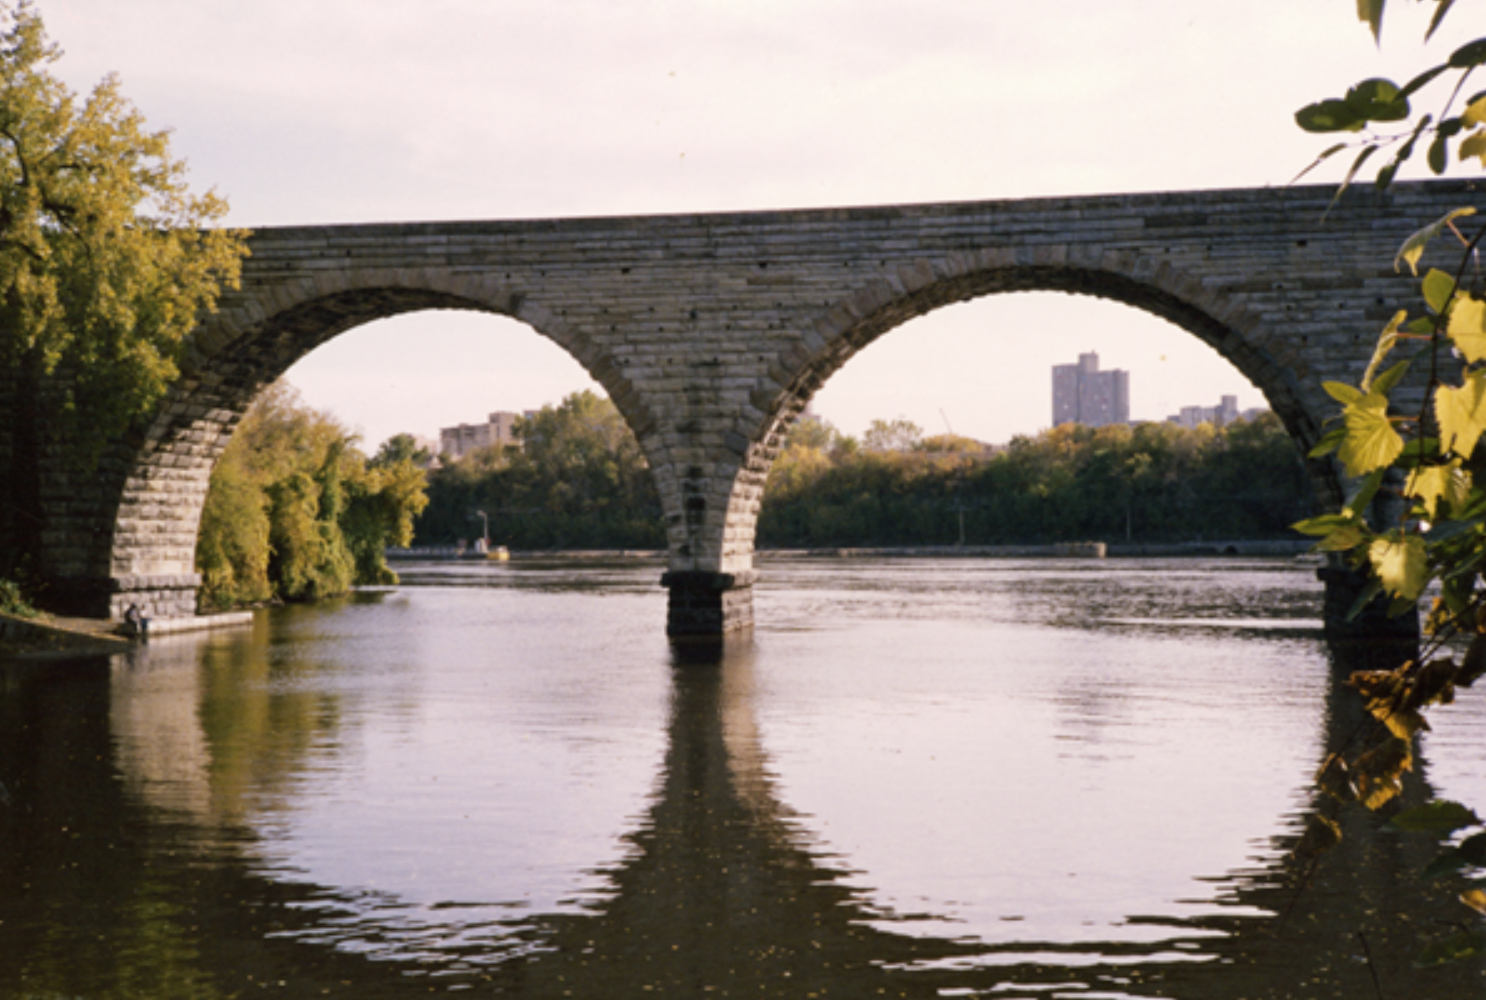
(484, 527)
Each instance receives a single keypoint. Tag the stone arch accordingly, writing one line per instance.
(917, 288)
(256, 336)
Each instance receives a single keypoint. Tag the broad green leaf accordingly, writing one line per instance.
(1369, 593)
(1473, 849)
(1401, 565)
(1470, 54)
(1342, 393)
(1386, 341)
(1329, 442)
(1419, 451)
(1437, 287)
(1410, 88)
(1377, 100)
(1440, 816)
(1474, 145)
(1371, 441)
(1332, 115)
(1438, 156)
(1366, 490)
(1413, 247)
(1421, 325)
(1323, 524)
(1467, 327)
(1462, 414)
(1344, 539)
(1384, 383)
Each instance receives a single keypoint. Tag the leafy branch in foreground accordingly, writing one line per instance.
(1381, 110)
(1430, 461)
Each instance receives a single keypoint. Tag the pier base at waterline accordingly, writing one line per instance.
(708, 604)
(1343, 587)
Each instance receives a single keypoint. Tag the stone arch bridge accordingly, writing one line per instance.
(711, 332)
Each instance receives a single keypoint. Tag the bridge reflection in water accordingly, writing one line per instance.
(114, 772)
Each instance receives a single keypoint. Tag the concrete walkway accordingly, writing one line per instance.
(53, 636)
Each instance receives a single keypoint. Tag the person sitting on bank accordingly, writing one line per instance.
(136, 621)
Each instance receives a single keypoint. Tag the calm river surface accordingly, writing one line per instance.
(1003, 778)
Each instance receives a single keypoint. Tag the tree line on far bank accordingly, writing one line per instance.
(1151, 482)
(580, 481)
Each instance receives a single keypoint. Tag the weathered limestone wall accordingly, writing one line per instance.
(711, 332)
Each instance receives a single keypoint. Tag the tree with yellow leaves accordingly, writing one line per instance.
(105, 261)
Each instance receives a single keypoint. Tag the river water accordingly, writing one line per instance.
(972, 777)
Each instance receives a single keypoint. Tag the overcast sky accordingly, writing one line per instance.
(345, 111)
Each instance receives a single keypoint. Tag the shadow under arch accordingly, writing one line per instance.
(163, 472)
(1145, 283)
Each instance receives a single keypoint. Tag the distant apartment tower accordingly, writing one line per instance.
(1082, 394)
(499, 429)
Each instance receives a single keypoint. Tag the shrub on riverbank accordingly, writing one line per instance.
(13, 601)
(296, 512)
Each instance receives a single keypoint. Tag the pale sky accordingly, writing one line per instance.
(347, 111)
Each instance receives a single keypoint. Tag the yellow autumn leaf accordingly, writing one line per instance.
(1474, 145)
(1401, 565)
(1431, 483)
(1475, 899)
(1462, 414)
(1413, 247)
(1467, 326)
(1371, 442)
(1343, 539)
(1475, 113)
(1387, 340)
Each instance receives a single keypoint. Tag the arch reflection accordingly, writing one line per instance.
(721, 890)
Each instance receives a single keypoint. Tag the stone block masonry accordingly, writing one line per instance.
(711, 332)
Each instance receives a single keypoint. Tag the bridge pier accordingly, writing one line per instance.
(159, 597)
(706, 604)
(1373, 623)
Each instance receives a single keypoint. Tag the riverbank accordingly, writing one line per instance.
(51, 636)
(1121, 550)
(1113, 550)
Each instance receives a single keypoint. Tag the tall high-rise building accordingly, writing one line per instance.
(1085, 395)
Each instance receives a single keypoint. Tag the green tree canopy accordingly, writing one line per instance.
(105, 263)
(578, 480)
(296, 512)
